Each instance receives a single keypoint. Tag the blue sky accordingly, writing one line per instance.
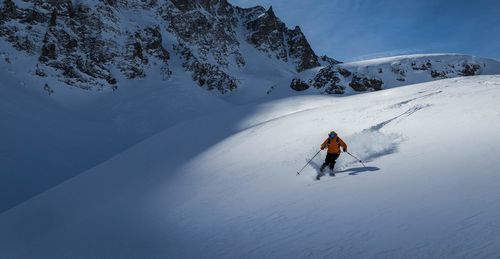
(361, 29)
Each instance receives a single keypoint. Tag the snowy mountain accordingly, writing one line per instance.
(83, 80)
(105, 44)
(175, 128)
(101, 44)
(383, 73)
(224, 185)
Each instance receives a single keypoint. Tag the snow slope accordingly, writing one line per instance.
(225, 185)
(385, 73)
(51, 138)
(409, 67)
(56, 130)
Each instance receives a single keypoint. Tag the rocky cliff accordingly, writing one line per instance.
(96, 44)
(101, 44)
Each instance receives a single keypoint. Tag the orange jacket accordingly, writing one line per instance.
(334, 145)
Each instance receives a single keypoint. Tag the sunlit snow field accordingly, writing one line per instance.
(225, 184)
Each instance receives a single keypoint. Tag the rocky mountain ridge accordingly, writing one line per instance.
(95, 44)
(377, 74)
(100, 44)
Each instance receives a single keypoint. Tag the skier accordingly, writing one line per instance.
(333, 143)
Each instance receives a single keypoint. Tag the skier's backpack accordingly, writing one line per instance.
(337, 138)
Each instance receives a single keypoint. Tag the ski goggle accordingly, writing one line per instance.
(332, 135)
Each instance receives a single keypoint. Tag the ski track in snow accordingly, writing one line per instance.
(399, 104)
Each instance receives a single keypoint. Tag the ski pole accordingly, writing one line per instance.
(359, 160)
(308, 162)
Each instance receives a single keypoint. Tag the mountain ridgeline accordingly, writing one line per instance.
(377, 74)
(87, 43)
(97, 44)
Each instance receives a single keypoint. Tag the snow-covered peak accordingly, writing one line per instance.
(447, 58)
(388, 72)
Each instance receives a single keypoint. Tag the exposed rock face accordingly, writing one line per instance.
(67, 39)
(184, 5)
(328, 79)
(298, 85)
(73, 44)
(204, 33)
(267, 34)
(204, 37)
(301, 51)
(438, 74)
(326, 60)
(470, 70)
(204, 74)
(271, 35)
(422, 66)
(142, 46)
(344, 72)
(362, 83)
(83, 42)
(463, 68)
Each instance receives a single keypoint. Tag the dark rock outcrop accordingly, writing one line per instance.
(204, 74)
(327, 75)
(142, 46)
(328, 79)
(344, 72)
(329, 61)
(426, 65)
(300, 49)
(362, 83)
(270, 35)
(470, 70)
(438, 74)
(298, 85)
(267, 33)
(399, 71)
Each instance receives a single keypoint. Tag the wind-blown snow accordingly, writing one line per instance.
(225, 185)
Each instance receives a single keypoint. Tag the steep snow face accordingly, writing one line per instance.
(383, 73)
(225, 185)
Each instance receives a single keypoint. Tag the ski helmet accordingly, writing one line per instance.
(332, 134)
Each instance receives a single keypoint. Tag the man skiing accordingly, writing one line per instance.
(333, 143)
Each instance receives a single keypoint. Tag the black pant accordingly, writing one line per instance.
(330, 160)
